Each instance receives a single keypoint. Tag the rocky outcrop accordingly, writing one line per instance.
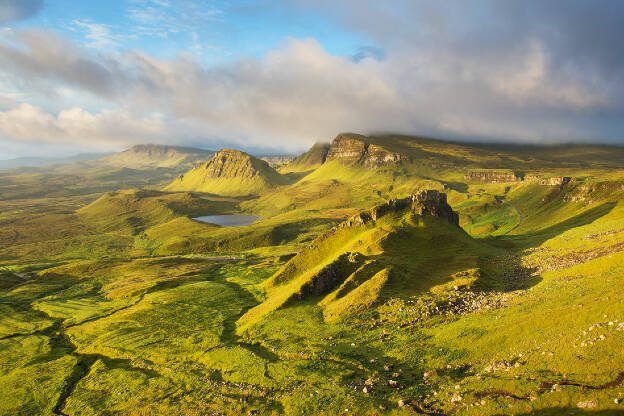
(429, 202)
(228, 163)
(491, 176)
(559, 181)
(353, 149)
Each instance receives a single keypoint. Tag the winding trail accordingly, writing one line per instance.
(519, 214)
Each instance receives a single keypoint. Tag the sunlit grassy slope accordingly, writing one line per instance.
(357, 266)
(120, 304)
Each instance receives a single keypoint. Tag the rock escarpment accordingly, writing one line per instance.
(353, 149)
(429, 202)
(559, 181)
(491, 176)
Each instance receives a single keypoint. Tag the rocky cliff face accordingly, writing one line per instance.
(353, 149)
(559, 181)
(491, 177)
(429, 202)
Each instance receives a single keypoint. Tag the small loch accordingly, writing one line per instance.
(234, 220)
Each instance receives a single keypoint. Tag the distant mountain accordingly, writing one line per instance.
(47, 161)
(157, 156)
(229, 172)
(140, 160)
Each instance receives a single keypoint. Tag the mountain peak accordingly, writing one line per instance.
(229, 172)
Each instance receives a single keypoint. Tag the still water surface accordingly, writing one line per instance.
(235, 220)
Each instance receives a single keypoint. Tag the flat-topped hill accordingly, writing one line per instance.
(155, 155)
(229, 172)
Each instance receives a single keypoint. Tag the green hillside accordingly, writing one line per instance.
(395, 248)
(387, 275)
(309, 160)
(229, 172)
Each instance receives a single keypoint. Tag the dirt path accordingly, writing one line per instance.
(519, 214)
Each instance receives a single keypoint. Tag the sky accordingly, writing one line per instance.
(279, 75)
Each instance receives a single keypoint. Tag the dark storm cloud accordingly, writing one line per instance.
(14, 10)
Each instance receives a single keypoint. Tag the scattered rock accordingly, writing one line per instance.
(430, 374)
(456, 398)
(497, 366)
(401, 403)
(587, 404)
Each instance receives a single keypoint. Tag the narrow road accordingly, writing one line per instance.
(519, 214)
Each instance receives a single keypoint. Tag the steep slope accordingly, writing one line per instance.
(309, 160)
(229, 172)
(404, 246)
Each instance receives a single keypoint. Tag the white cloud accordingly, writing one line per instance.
(74, 126)
(99, 36)
(299, 93)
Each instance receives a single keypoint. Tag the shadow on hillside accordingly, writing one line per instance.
(507, 273)
(294, 177)
(535, 239)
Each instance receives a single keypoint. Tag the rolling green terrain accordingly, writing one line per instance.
(387, 275)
